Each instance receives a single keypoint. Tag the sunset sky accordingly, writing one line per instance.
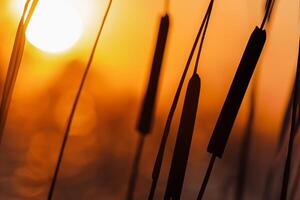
(103, 135)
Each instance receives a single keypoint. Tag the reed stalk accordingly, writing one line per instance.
(71, 116)
(14, 63)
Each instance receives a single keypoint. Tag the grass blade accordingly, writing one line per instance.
(14, 64)
(70, 120)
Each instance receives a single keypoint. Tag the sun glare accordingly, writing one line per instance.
(55, 26)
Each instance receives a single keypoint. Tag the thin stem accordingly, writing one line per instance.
(30, 13)
(70, 120)
(203, 36)
(13, 68)
(268, 9)
(135, 169)
(206, 177)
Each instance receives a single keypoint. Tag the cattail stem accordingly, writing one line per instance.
(269, 6)
(203, 36)
(287, 168)
(135, 169)
(206, 177)
(71, 116)
(160, 154)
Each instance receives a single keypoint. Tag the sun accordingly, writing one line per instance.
(55, 26)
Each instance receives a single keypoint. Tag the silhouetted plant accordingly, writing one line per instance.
(15, 62)
(235, 96)
(147, 111)
(160, 154)
(71, 116)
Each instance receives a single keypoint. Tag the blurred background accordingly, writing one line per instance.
(100, 151)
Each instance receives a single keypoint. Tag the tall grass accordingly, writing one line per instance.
(160, 154)
(71, 116)
(15, 62)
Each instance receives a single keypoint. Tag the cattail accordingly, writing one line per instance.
(71, 116)
(160, 154)
(184, 139)
(236, 93)
(14, 63)
(235, 97)
(146, 116)
(233, 101)
(295, 114)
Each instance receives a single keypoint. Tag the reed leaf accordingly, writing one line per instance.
(14, 64)
(74, 107)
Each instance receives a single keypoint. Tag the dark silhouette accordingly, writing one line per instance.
(160, 154)
(147, 111)
(287, 167)
(236, 93)
(135, 169)
(186, 128)
(14, 63)
(184, 139)
(70, 120)
(235, 96)
(146, 116)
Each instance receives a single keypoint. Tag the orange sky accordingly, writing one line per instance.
(125, 50)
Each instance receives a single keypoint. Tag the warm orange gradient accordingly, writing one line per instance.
(98, 156)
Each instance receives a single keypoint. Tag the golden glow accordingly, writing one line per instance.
(55, 26)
